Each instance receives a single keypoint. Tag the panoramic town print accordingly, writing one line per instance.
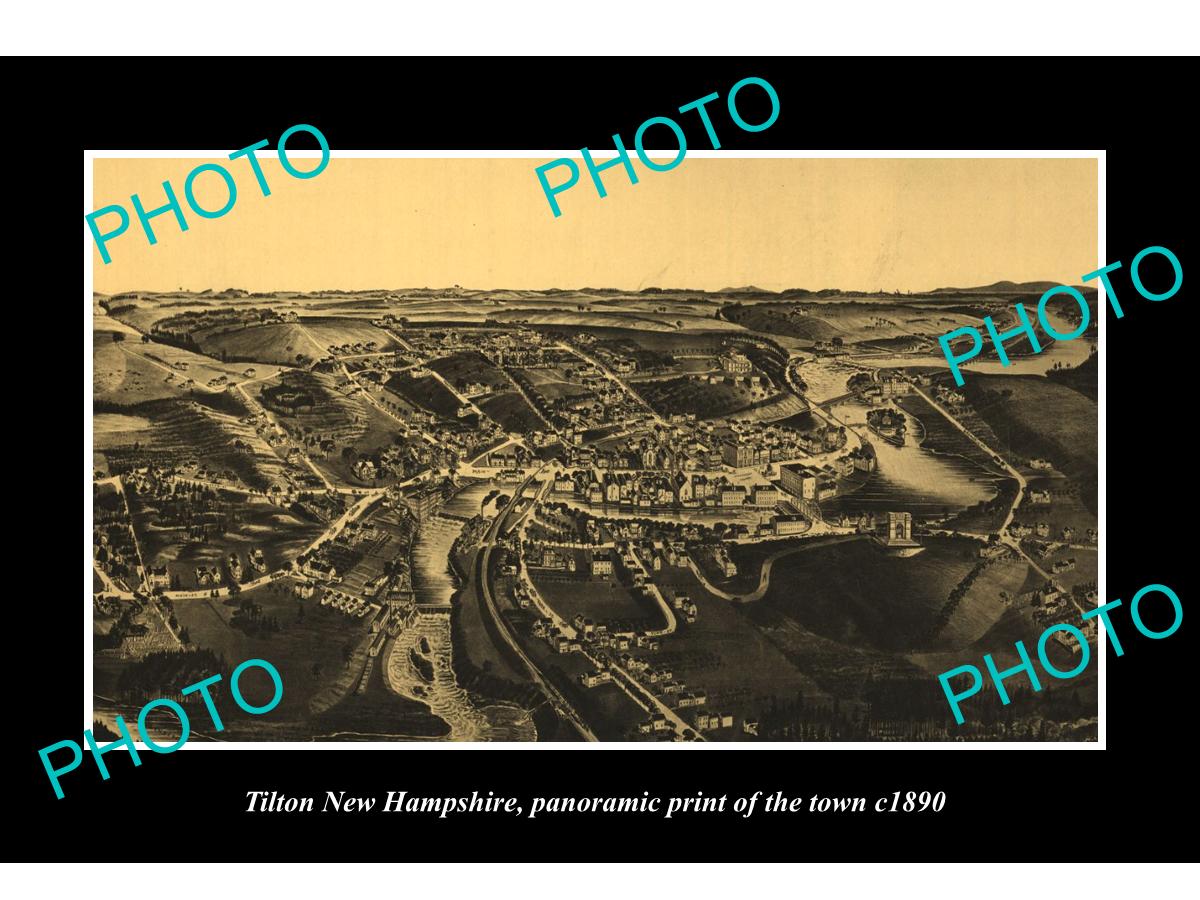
(569, 480)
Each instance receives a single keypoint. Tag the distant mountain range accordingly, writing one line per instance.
(748, 289)
(1005, 287)
(749, 292)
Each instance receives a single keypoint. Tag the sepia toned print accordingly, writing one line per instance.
(687, 464)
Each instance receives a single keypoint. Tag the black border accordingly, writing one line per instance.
(1042, 805)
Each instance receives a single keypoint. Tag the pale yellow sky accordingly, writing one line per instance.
(908, 224)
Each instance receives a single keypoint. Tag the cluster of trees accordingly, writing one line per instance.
(956, 595)
(249, 618)
(122, 628)
(167, 672)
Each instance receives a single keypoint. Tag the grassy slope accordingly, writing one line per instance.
(1042, 418)
(1083, 377)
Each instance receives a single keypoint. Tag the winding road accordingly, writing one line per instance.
(764, 577)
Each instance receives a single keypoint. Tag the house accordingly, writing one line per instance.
(1068, 641)
(602, 564)
(789, 524)
(159, 577)
(798, 480)
(315, 568)
(713, 721)
(734, 495)
(992, 550)
(737, 454)
(594, 678)
(658, 722)
(735, 363)
(684, 490)
(552, 559)
(766, 496)
(1040, 498)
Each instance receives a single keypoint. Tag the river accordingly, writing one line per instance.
(432, 581)
(912, 478)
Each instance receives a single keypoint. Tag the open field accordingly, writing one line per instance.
(125, 378)
(425, 392)
(310, 651)
(982, 606)
(1041, 418)
(1067, 508)
(307, 653)
(278, 343)
(1083, 377)
(553, 384)
(725, 655)
(172, 432)
(336, 333)
(855, 594)
(244, 523)
(685, 396)
(460, 369)
(599, 600)
(852, 320)
(512, 413)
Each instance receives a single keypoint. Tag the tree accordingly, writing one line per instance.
(118, 337)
